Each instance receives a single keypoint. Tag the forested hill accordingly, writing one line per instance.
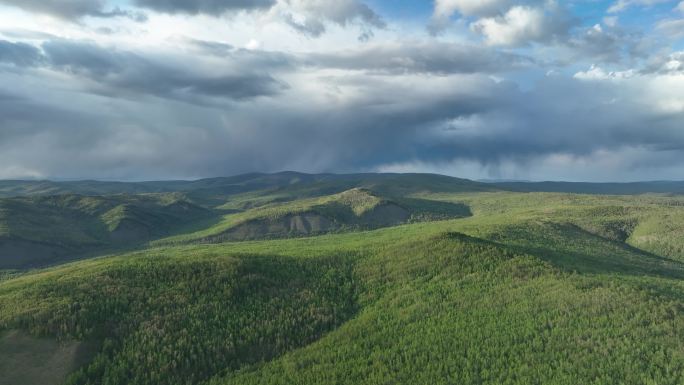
(325, 184)
(657, 187)
(294, 182)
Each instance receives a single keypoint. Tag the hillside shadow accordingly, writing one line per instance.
(20, 254)
(574, 249)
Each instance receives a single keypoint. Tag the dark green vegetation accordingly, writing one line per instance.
(406, 280)
(27, 360)
(635, 188)
(38, 228)
(42, 230)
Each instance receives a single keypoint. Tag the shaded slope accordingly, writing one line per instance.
(180, 320)
(28, 360)
(37, 231)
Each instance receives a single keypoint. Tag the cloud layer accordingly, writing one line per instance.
(524, 89)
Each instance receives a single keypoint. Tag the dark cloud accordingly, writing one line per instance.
(209, 108)
(341, 12)
(19, 54)
(73, 9)
(118, 73)
(309, 27)
(672, 63)
(243, 58)
(427, 58)
(67, 9)
(339, 123)
(314, 14)
(212, 7)
(608, 44)
(126, 73)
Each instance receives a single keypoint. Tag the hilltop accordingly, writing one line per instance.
(363, 279)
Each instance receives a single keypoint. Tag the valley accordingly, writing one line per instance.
(389, 281)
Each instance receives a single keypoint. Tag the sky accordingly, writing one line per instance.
(583, 90)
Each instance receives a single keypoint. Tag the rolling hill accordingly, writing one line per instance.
(350, 280)
(283, 185)
(355, 209)
(44, 230)
(635, 188)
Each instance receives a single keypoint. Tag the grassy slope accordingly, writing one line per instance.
(540, 296)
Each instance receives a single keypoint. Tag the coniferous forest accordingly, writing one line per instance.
(461, 282)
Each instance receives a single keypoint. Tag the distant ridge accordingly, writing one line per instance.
(327, 183)
(335, 183)
(630, 188)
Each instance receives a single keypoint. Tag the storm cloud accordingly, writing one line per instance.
(212, 7)
(74, 9)
(288, 85)
(127, 74)
(19, 54)
(428, 58)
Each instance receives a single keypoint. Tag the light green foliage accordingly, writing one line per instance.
(479, 287)
(347, 210)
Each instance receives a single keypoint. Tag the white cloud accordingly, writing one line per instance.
(611, 21)
(518, 26)
(622, 5)
(598, 73)
(253, 44)
(680, 7)
(445, 9)
(666, 64)
(673, 28)
(667, 92)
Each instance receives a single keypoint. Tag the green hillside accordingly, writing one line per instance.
(636, 188)
(291, 185)
(353, 209)
(398, 284)
(37, 231)
(279, 186)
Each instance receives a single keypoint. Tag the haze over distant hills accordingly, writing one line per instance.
(333, 182)
(46, 222)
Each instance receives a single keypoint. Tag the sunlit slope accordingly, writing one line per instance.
(354, 209)
(458, 310)
(653, 223)
(636, 188)
(518, 293)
